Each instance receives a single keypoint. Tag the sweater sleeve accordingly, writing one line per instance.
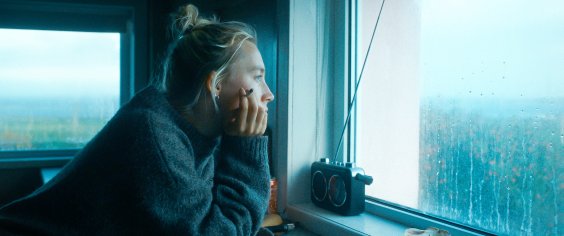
(184, 199)
(241, 186)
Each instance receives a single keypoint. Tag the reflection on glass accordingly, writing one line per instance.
(57, 89)
(490, 118)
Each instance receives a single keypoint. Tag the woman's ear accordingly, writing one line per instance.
(213, 89)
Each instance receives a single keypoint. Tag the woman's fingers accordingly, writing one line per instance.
(243, 111)
(258, 121)
(251, 118)
(262, 123)
(252, 115)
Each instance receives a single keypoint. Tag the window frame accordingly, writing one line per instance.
(376, 206)
(399, 213)
(295, 126)
(127, 17)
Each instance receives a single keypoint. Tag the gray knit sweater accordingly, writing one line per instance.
(149, 172)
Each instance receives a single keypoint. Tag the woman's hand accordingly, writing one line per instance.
(250, 118)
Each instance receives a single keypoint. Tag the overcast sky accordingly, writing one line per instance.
(501, 48)
(35, 63)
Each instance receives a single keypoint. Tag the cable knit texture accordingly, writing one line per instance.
(149, 172)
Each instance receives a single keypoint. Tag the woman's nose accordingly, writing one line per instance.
(267, 96)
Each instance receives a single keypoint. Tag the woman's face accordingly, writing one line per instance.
(247, 72)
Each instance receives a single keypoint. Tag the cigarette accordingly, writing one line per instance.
(249, 92)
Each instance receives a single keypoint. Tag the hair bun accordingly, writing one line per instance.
(186, 18)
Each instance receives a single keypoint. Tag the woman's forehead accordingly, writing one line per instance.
(249, 58)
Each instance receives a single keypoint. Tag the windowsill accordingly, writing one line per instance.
(378, 219)
(324, 222)
(34, 162)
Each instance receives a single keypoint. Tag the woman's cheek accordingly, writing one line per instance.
(230, 105)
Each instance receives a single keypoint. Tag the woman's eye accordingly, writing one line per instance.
(258, 77)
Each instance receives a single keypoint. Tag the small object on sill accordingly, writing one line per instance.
(431, 231)
(283, 228)
(273, 202)
(271, 220)
(275, 224)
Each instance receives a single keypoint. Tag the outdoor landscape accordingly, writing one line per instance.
(494, 164)
(52, 123)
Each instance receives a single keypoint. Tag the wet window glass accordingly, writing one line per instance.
(461, 111)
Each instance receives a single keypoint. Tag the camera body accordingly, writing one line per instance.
(338, 186)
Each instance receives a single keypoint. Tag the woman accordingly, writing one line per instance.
(185, 156)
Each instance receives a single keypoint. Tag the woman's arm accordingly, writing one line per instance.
(242, 180)
(182, 198)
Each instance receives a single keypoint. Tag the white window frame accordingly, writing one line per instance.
(128, 17)
(296, 126)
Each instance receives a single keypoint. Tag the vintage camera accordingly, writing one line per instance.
(338, 186)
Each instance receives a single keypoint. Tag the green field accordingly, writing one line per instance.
(44, 133)
(56, 123)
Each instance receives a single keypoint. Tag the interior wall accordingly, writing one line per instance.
(315, 90)
(159, 33)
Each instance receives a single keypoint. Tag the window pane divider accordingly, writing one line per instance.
(34, 162)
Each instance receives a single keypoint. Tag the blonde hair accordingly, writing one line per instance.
(200, 46)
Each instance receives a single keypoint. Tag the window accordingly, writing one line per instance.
(460, 114)
(57, 88)
(65, 68)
